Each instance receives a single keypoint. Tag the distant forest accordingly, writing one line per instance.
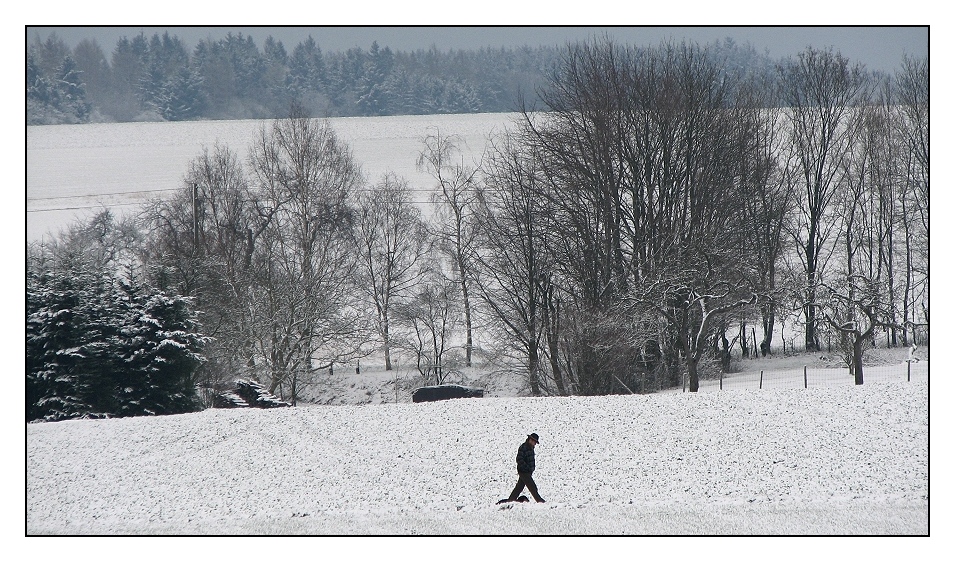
(159, 78)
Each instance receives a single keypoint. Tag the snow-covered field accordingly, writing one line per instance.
(73, 170)
(839, 460)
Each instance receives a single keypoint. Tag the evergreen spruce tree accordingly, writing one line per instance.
(97, 347)
(97, 78)
(248, 68)
(307, 79)
(127, 64)
(152, 87)
(373, 97)
(70, 92)
(39, 92)
(61, 346)
(276, 62)
(51, 354)
(182, 97)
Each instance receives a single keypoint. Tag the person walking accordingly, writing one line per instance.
(525, 469)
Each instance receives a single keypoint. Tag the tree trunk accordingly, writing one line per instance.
(812, 342)
(769, 321)
(469, 343)
(907, 288)
(725, 354)
(551, 320)
(533, 366)
(555, 366)
(743, 343)
(387, 337)
(858, 342)
(693, 374)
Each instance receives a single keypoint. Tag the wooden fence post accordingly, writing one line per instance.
(760, 379)
(909, 371)
(805, 377)
(721, 379)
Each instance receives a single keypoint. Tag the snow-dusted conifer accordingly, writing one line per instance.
(99, 348)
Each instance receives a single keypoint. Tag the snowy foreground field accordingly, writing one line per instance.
(839, 460)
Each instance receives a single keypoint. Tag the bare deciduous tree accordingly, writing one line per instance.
(854, 307)
(639, 151)
(306, 257)
(768, 195)
(456, 231)
(393, 242)
(693, 297)
(913, 93)
(514, 277)
(432, 313)
(820, 89)
(201, 245)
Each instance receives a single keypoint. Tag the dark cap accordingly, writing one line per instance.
(534, 437)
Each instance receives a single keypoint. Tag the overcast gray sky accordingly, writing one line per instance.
(879, 48)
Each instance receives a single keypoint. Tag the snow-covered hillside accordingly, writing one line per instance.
(76, 170)
(372, 384)
(832, 460)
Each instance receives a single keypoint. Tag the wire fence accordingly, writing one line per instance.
(812, 377)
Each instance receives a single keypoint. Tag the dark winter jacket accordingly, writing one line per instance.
(525, 458)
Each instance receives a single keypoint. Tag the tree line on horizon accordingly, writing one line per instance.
(655, 215)
(159, 78)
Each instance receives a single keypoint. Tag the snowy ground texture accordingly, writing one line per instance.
(836, 460)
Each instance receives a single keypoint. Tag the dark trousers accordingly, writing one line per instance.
(525, 479)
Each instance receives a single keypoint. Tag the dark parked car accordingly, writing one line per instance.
(445, 392)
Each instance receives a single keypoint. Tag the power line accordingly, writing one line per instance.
(100, 194)
(83, 207)
(117, 193)
(121, 193)
(79, 208)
